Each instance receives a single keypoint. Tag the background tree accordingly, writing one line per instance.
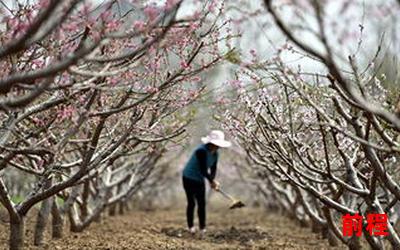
(90, 101)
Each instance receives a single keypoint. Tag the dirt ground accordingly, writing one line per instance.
(246, 228)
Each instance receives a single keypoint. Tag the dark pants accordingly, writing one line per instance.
(195, 192)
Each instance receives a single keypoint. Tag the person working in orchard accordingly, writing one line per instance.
(202, 164)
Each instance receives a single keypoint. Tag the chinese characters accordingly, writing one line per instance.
(353, 224)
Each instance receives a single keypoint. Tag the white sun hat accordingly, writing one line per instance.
(217, 138)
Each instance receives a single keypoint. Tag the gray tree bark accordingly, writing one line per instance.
(121, 209)
(17, 232)
(57, 221)
(42, 218)
(41, 222)
(112, 210)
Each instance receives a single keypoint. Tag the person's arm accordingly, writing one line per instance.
(202, 158)
(213, 170)
(214, 184)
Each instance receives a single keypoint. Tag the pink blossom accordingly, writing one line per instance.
(170, 4)
(152, 50)
(104, 16)
(154, 65)
(222, 100)
(112, 25)
(245, 64)
(132, 45)
(96, 35)
(17, 25)
(66, 113)
(70, 26)
(113, 81)
(193, 93)
(85, 12)
(44, 3)
(212, 6)
(196, 79)
(81, 99)
(184, 64)
(196, 14)
(151, 12)
(150, 89)
(139, 25)
(235, 83)
(39, 122)
(38, 63)
(40, 164)
(194, 26)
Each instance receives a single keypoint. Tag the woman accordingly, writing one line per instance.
(202, 164)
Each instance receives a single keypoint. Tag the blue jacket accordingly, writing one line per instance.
(199, 163)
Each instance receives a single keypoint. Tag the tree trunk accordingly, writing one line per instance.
(375, 243)
(354, 243)
(128, 206)
(315, 227)
(121, 209)
(57, 221)
(41, 222)
(328, 234)
(17, 231)
(43, 217)
(85, 199)
(78, 225)
(97, 218)
(302, 221)
(111, 210)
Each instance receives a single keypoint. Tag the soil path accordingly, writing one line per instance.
(247, 228)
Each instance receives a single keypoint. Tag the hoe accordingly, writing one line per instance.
(235, 203)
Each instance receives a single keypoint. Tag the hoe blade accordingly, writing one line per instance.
(237, 204)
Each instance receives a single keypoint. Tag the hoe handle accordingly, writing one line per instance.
(226, 195)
